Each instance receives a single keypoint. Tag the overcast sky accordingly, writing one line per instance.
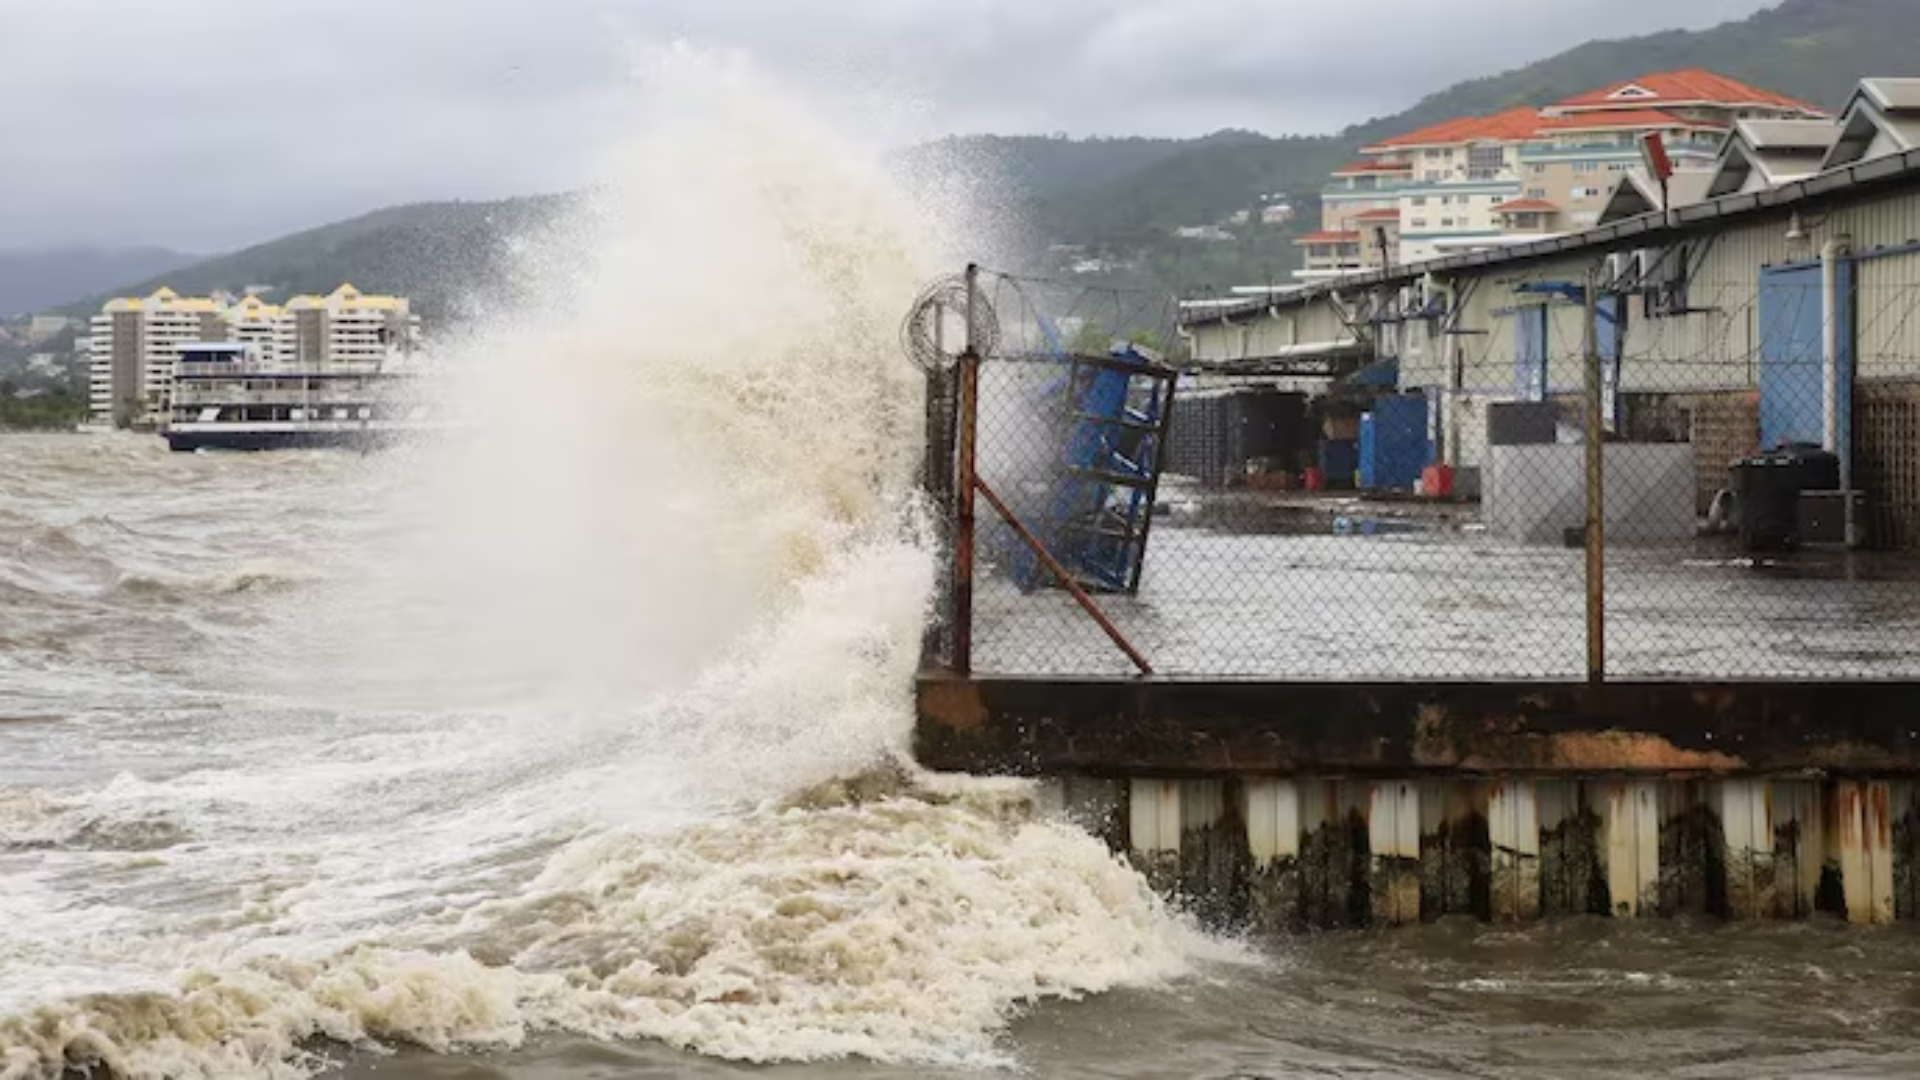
(210, 124)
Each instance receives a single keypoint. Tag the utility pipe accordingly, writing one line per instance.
(1836, 442)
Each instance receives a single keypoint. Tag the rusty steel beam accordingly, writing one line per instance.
(964, 525)
(1596, 542)
(967, 422)
(1176, 728)
(1052, 564)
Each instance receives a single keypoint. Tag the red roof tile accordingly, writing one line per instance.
(1377, 215)
(1510, 126)
(1327, 237)
(1527, 206)
(1623, 118)
(1690, 85)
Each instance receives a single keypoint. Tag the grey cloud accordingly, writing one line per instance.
(211, 123)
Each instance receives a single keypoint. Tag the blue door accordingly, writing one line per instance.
(1612, 333)
(1792, 363)
(1530, 353)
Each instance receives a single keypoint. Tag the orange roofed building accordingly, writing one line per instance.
(1480, 182)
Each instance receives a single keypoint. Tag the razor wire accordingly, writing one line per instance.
(923, 332)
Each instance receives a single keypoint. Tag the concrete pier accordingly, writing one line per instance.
(1311, 806)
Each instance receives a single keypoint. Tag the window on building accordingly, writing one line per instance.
(1433, 176)
(1446, 223)
(1486, 162)
(1419, 200)
(1419, 223)
(1536, 193)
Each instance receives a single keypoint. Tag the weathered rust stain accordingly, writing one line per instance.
(1846, 800)
(1173, 727)
(1433, 740)
(1592, 751)
(1854, 757)
(953, 703)
(1879, 806)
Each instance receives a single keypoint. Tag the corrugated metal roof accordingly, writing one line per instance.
(1893, 95)
(1812, 135)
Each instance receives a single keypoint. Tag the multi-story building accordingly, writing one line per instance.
(345, 327)
(135, 341)
(133, 345)
(254, 323)
(1480, 182)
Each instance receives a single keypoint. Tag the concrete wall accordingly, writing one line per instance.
(1533, 494)
(1579, 183)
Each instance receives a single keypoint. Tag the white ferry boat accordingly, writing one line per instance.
(224, 398)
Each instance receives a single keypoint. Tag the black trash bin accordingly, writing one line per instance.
(1768, 487)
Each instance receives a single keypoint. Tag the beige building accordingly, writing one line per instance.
(1486, 182)
(133, 346)
(345, 327)
(135, 341)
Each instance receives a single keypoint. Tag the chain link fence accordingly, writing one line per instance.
(1412, 503)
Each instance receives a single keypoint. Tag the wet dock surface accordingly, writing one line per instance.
(1298, 586)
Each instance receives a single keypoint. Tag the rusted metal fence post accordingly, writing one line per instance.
(968, 434)
(1596, 493)
(936, 647)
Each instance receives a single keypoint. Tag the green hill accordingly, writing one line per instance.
(1122, 199)
(438, 254)
(1816, 50)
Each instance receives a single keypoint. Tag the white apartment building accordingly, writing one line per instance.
(135, 341)
(1482, 182)
(345, 327)
(254, 323)
(133, 345)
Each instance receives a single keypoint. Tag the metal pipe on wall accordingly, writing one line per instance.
(1836, 441)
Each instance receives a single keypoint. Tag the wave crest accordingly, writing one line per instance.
(906, 929)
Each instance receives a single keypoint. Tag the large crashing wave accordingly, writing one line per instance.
(599, 731)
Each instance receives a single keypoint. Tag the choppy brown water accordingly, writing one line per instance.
(1586, 999)
(174, 818)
